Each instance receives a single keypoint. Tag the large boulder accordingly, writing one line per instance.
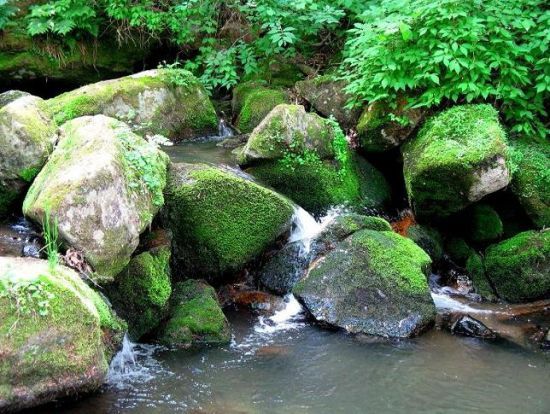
(169, 102)
(531, 179)
(482, 223)
(26, 138)
(428, 239)
(102, 186)
(308, 159)
(373, 282)
(328, 98)
(58, 335)
(141, 291)
(195, 317)
(252, 101)
(381, 128)
(457, 158)
(220, 220)
(519, 267)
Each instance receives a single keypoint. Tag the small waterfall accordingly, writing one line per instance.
(305, 228)
(282, 320)
(224, 130)
(444, 302)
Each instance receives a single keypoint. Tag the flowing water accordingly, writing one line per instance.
(284, 363)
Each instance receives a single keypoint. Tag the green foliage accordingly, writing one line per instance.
(7, 11)
(454, 51)
(72, 18)
(27, 297)
(51, 236)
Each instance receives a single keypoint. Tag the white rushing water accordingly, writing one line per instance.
(224, 130)
(305, 228)
(444, 302)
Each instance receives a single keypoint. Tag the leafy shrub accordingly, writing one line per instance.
(63, 17)
(443, 51)
(7, 11)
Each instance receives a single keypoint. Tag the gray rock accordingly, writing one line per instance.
(468, 326)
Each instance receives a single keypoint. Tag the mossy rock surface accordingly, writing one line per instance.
(27, 133)
(458, 250)
(381, 128)
(428, 239)
(220, 221)
(142, 290)
(476, 271)
(252, 102)
(102, 185)
(196, 317)
(457, 158)
(328, 98)
(531, 179)
(346, 224)
(519, 267)
(483, 224)
(58, 349)
(373, 282)
(169, 102)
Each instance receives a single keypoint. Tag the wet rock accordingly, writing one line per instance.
(428, 238)
(242, 296)
(59, 342)
(102, 186)
(195, 317)
(457, 158)
(475, 267)
(373, 282)
(380, 130)
(26, 138)
(328, 98)
(519, 267)
(546, 341)
(219, 220)
(32, 249)
(468, 326)
(284, 269)
(167, 102)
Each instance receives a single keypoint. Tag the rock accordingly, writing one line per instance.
(531, 179)
(102, 186)
(374, 282)
(287, 130)
(457, 158)
(308, 159)
(458, 250)
(381, 129)
(428, 239)
(483, 224)
(195, 317)
(476, 271)
(519, 267)
(289, 264)
(57, 342)
(468, 326)
(168, 102)
(240, 296)
(142, 291)
(220, 221)
(252, 102)
(26, 138)
(328, 98)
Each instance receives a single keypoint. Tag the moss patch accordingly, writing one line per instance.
(257, 102)
(476, 270)
(428, 239)
(519, 267)
(484, 224)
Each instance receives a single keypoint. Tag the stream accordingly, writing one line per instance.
(284, 363)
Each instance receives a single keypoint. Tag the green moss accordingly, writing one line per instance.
(519, 267)
(439, 162)
(196, 317)
(476, 270)
(458, 250)
(28, 174)
(219, 220)
(257, 103)
(428, 239)
(531, 179)
(484, 224)
(142, 290)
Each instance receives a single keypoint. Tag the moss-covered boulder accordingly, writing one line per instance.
(428, 239)
(251, 103)
(169, 102)
(308, 159)
(141, 291)
(483, 223)
(27, 134)
(381, 128)
(195, 317)
(102, 186)
(458, 250)
(531, 179)
(519, 267)
(457, 158)
(219, 220)
(57, 334)
(374, 282)
(346, 224)
(328, 98)
(23, 58)
(476, 271)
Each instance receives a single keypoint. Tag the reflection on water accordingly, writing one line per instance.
(307, 369)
